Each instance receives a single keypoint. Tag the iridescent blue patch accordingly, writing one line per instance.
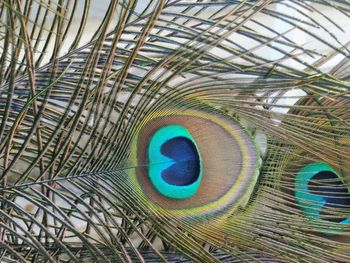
(334, 193)
(185, 170)
(321, 193)
(174, 162)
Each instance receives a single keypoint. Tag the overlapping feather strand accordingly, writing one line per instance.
(174, 130)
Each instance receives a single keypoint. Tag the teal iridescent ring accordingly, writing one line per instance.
(175, 166)
(318, 190)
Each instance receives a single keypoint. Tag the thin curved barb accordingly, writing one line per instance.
(79, 81)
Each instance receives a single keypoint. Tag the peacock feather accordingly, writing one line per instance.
(174, 131)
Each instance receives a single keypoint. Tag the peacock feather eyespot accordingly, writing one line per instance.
(194, 163)
(320, 192)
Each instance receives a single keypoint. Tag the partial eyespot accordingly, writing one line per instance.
(321, 193)
(312, 178)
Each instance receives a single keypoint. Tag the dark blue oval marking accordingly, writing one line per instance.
(334, 193)
(186, 169)
(322, 194)
(175, 168)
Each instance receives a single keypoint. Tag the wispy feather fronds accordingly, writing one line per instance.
(82, 94)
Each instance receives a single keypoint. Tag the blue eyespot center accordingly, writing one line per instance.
(334, 193)
(186, 168)
(322, 194)
(175, 167)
